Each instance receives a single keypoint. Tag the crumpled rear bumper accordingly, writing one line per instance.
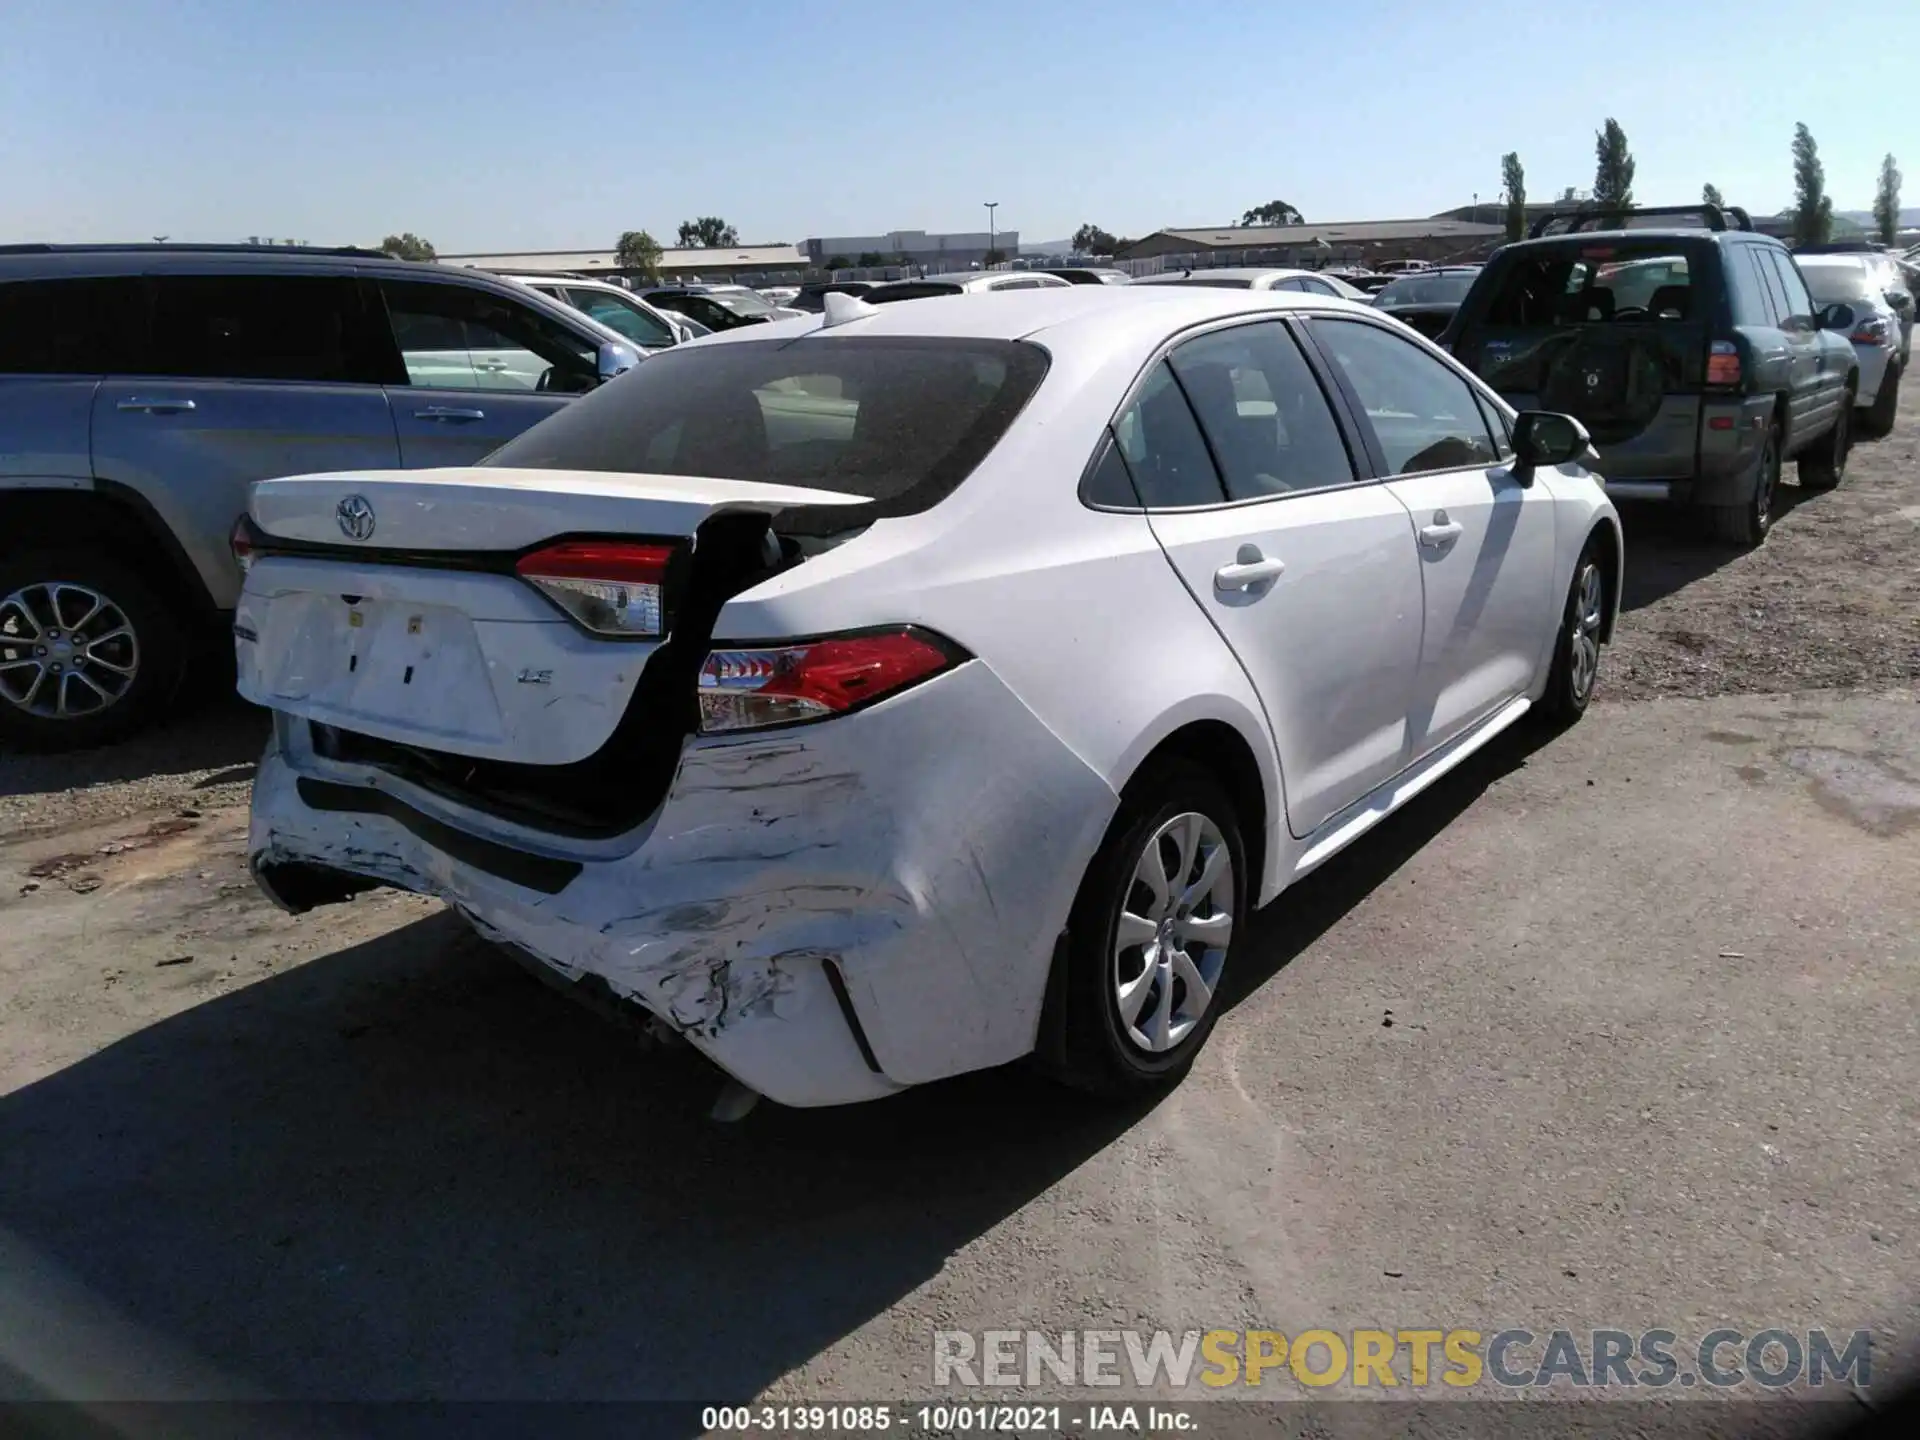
(830, 912)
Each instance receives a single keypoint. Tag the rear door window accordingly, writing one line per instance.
(1262, 411)
(1424, 416)
(260, 327)
(1165, 452)
(1749, 294)
(1799, 302)
(1769, 274)
(72, 327)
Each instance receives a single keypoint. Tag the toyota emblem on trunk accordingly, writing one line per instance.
(355, 515)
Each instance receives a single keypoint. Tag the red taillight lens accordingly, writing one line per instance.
(612, 587)
(1723, 364)
(240, 542)
(749, 689)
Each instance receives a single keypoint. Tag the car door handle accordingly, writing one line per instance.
(156, 407)
(1250, 568)
(1441, 532)
(490, 365)
(451, 413)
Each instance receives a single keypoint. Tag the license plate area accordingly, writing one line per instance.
(396, 667)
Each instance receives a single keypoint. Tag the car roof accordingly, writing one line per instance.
(1659, 233)
(1200, 277)
(22, 261)
(1094, 314)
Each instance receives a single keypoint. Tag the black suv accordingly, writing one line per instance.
(1694, 356)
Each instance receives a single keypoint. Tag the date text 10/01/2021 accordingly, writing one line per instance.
(948, 1418)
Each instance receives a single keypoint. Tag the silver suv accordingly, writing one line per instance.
(144, 388)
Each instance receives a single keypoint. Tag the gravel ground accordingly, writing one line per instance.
(1831, 600)
(1616, 1031)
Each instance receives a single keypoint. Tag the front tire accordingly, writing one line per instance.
(1576, 649)
(1826, 465)
(88, 651)
(1876, 420)
(1150, 936)
(1747, 524)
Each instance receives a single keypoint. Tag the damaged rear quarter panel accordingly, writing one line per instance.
(930, 847)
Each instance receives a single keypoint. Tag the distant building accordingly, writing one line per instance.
(931, 252)
(714, 263)
(1358, 242)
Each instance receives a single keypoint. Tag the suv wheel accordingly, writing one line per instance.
(87, 651)
(1825, 466)
(1747, 524)
(1149, 938)
(1876, 420)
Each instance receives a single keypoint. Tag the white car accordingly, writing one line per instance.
(645, 327)
(904, 690)
(964, 282)
(1227, 277)
(1855, 282)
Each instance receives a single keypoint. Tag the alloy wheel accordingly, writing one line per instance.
(1171, 938)
(1583, 638)
(66, 651)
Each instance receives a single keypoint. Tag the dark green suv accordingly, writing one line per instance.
(1693, 355)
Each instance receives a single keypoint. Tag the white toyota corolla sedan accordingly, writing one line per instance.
(908, 689)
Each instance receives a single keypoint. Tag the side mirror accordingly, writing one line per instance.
(1541, 437)
(612, 360)
(1835, 317)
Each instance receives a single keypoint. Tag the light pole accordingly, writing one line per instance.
(992, 205)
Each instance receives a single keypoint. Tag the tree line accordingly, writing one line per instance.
(1613, 172)
(635, 249)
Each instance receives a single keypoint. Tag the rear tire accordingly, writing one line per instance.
(1133, 1017)
(1825, 466)
(88, 650)
(1875, 421)
(1747, 524)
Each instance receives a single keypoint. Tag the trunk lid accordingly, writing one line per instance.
(385, 604)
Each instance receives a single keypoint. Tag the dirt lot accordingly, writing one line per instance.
(1619, 1032)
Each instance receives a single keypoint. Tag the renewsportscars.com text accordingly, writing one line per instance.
(1365, 1359)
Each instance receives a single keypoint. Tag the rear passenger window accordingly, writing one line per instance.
(1262, 411)
(1799, 302)
(1750, 305)
(71, 327)
(259, 327)
(1770, 282)
(1424, 415)
(1163, 447)
(1109, 484)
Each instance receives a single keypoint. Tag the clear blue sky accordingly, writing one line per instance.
(487, 125)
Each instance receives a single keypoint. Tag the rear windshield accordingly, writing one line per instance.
(743, 302)
(912, 291)
(1426, 290)
(1594, 283)
(1839, 284)
(898, 420)
(1217, 282)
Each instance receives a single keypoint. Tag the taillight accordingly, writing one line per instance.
(240, 542)
(752, 688)
(1872, 331)
(1723, 364)
(612, 587)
